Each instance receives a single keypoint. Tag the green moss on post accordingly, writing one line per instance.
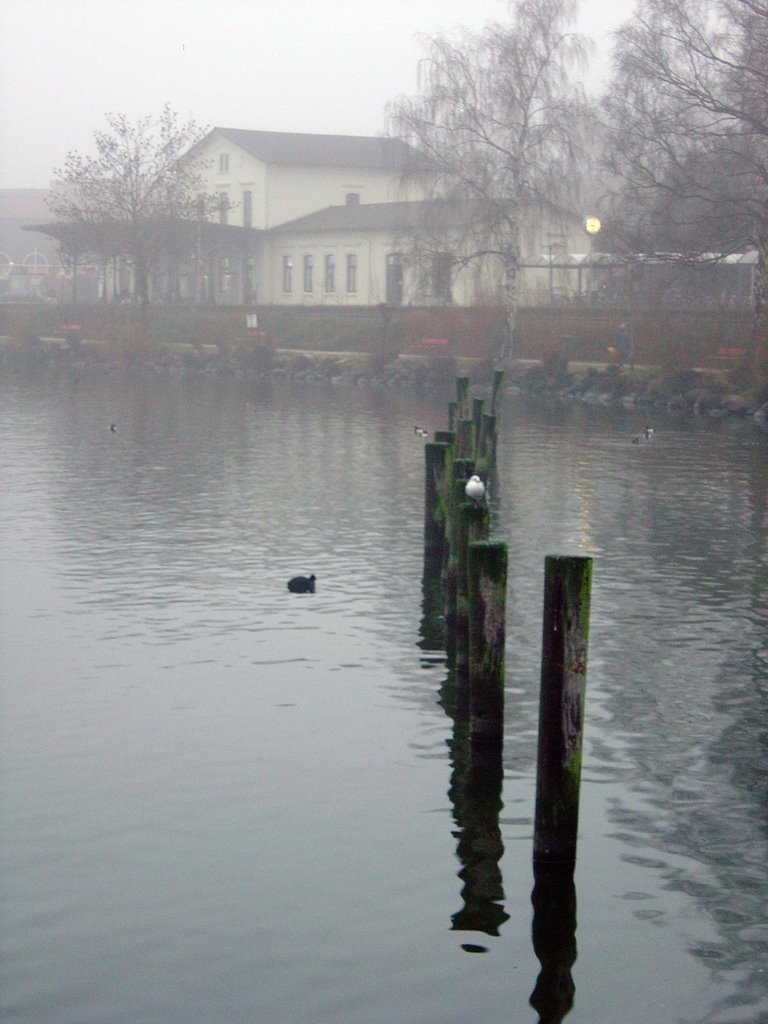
(462, 396)
(436, 458)
(487, 576)
(477, 419)
(473, 522)
(486, 446)
(567, 585)
(445, 437)
(465, 440)
(498, 380)
(453, 415)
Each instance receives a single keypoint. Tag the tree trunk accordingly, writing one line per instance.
(509, 345)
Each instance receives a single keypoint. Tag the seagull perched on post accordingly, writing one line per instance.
(475, 488)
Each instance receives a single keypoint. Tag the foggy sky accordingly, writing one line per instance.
(304, 65)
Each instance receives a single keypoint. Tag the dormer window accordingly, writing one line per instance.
(223, 163)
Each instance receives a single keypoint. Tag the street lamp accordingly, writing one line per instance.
(592, 226)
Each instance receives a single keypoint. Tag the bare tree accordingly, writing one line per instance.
(498, 119)
(131, 198)
(688, 118)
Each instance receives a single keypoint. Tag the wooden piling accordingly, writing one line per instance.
(487, 576)
(462, 396)
(567, 583)
(498, 380)
(465, 440)
(436, 458)
(477, 419)
(473, 520)
(454, 413)
(445, 437)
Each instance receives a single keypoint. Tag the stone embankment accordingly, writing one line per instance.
(694, 392)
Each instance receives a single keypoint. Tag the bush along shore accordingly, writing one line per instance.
(698, 392)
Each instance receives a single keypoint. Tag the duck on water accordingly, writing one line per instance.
(302, 584)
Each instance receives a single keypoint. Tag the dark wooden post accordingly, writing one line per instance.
(435, 504)
(477, 419)
(462, 396)
(453, 415)
(473, 521)
(567, 583)
(487, 574)
(498, 380)
(445, 437)
(465, 440)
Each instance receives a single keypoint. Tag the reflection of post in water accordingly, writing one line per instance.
(476, 796)
(554, 940)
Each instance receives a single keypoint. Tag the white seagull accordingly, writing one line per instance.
(475, 488)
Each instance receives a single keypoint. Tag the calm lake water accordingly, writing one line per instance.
(223, 803)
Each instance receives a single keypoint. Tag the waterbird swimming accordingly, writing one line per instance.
(420, 432)
(113, 427)
(475, 488)
(648, 431)
(302, 584)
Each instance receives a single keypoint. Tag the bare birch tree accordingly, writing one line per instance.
(130, 199)
(498, 119)
(688, 132)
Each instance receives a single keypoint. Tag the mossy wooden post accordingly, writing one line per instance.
(498, 380)
(487, 576)
(436, 459)
(567, 584)
(462, 468)
(454, 412)
(465, 440)
(477, 419)
(486, 446)
(445, 437)
(462, 396)
(473, 521)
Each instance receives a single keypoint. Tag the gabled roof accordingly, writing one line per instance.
(373, 217)
(295, 148)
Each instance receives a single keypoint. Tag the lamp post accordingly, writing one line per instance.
(592, 226)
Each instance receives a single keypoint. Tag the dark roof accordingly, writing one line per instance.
(356, 151)
(372, 217)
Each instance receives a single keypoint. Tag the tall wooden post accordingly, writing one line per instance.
(465, 440)
(567, 583)
(473, 521)
(462, 396)
(435, 504)
(487, 575)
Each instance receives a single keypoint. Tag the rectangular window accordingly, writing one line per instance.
(353, 199)
(352, 272)
(223, 163)
(308, 265)
(287, 273)
(330, 273)
(223, 207)
(225, 274)
(247, 209)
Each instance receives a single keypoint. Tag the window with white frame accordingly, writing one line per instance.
(223, 207)
(330, 273)
(308, 267)
(247, 209)
(223, 163)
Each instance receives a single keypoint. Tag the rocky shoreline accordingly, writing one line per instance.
(694, 392)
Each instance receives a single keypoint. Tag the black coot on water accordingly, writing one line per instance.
(302, 585)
